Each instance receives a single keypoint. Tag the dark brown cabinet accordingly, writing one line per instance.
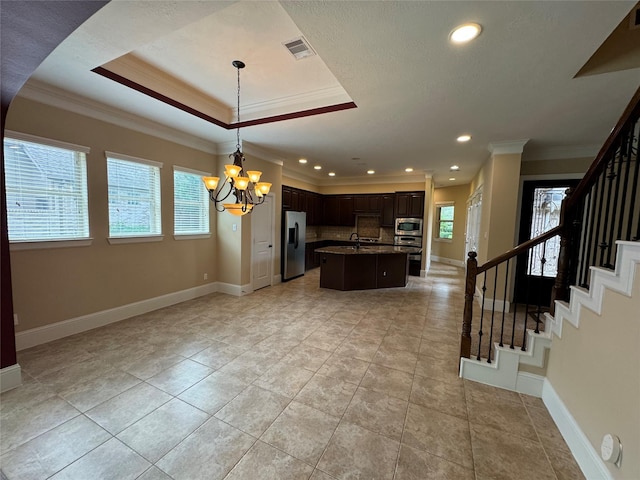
(347, 216)
(367, 204)
(286, 198)
(409, 204)
(387, 214)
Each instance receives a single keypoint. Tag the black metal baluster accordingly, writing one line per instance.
(615, 213)
(599, 214)
(586, 245)
(493, 312)
(526, 307)
(610, 176)
(625, 187)
(543, 260)
(632, 202)
(484, 290)
(504, 305)
(515, 306)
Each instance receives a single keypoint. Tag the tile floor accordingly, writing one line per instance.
(291, 382)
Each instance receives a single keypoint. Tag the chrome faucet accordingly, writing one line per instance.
(357, 239)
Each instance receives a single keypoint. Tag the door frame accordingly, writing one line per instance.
(271, 206)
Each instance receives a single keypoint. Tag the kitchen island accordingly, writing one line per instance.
(362, 268)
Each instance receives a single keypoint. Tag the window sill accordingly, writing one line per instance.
(43, 244)
(444, 240)
(191, 236)
(142, 239)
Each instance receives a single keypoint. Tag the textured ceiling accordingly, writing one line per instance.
(415, 92)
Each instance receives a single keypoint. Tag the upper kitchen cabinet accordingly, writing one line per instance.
(367, 204)
(338, 210)
(286, 198)
(347, 216)
(387, 214)
(409, 204)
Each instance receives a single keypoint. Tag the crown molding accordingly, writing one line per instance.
(561, 153)
(261, 152)
(59, 98)
(506, 148)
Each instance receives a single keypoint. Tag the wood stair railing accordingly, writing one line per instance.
(603, 208)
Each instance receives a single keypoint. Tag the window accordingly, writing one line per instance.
(545, 216)
(445, 221)
(190, 202)
(134, 196)
(46, 189)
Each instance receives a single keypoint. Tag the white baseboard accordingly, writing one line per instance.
(530, 384)
(10, 377)
(235, 290)
(48, 333)
(448, 261)
(585, 454)
(277, 279)
(500, 306)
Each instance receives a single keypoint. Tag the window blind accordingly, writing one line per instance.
(190, 202)
(134, 198)
(46, 191)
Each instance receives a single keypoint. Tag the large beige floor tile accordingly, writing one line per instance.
(157, 433)
(253, 410)
(176, 379)
(377, 412)
(344, 368)
(110, 461)
(268, 463)
(357, 453)
(327, 394)
(447, 397)
(301, 431)
(209, 453)
(284, 379)
(213, 392)
(420, 465)
(387, 380)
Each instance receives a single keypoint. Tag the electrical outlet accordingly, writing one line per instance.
(206, 276)
(15, 319)
(234, 227)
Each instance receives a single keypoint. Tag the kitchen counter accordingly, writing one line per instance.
(368, 249)
(367, 267)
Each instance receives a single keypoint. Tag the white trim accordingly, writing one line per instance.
(584, 453)
(178, 168)
(530, 384)
(46, 141)
(129, 158)
(277, 279)
(506, 148)
(56, 97)
(448, 261)
(188, 236)
(10, 377)
(37, 336)
(235, 290)
(138, 239)
(42, 244)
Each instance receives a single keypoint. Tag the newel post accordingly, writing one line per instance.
(560, 290)
(469, 292)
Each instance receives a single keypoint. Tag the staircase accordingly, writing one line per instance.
(505, 370)
(586, 375)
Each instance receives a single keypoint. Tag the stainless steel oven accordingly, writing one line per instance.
(414, 245)
(409, 227)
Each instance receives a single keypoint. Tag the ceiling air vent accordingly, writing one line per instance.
(299, 48)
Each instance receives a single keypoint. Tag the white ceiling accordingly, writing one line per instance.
(415, 92)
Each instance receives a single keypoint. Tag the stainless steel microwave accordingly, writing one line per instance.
(409, 226)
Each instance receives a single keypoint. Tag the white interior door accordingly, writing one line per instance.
(262, 249)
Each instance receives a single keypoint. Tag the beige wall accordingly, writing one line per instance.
(563, 166)
(373, 188)
(51, 285)
(295, 183)
(454, 249)
(594, 370)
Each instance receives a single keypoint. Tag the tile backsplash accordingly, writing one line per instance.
(367, 227)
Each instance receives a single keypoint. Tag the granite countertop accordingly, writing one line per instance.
(366, 250)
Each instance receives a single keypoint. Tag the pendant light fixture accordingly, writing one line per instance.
(246, 187)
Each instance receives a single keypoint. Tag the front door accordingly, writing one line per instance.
(262, 250)
(537, 270)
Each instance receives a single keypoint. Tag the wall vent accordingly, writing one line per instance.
(299, 48)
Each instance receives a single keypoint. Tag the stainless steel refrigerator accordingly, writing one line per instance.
(293, 237)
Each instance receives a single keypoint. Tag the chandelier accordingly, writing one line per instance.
(246, 187)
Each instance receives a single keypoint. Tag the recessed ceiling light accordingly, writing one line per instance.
(371, 172)
(463, 138)
(465, 33)
(408, 169)
(332, 174)
(454, 168)
(451, 179)
(303, 160)
(317, 167)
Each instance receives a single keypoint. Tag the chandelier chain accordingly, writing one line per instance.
(238, 111)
